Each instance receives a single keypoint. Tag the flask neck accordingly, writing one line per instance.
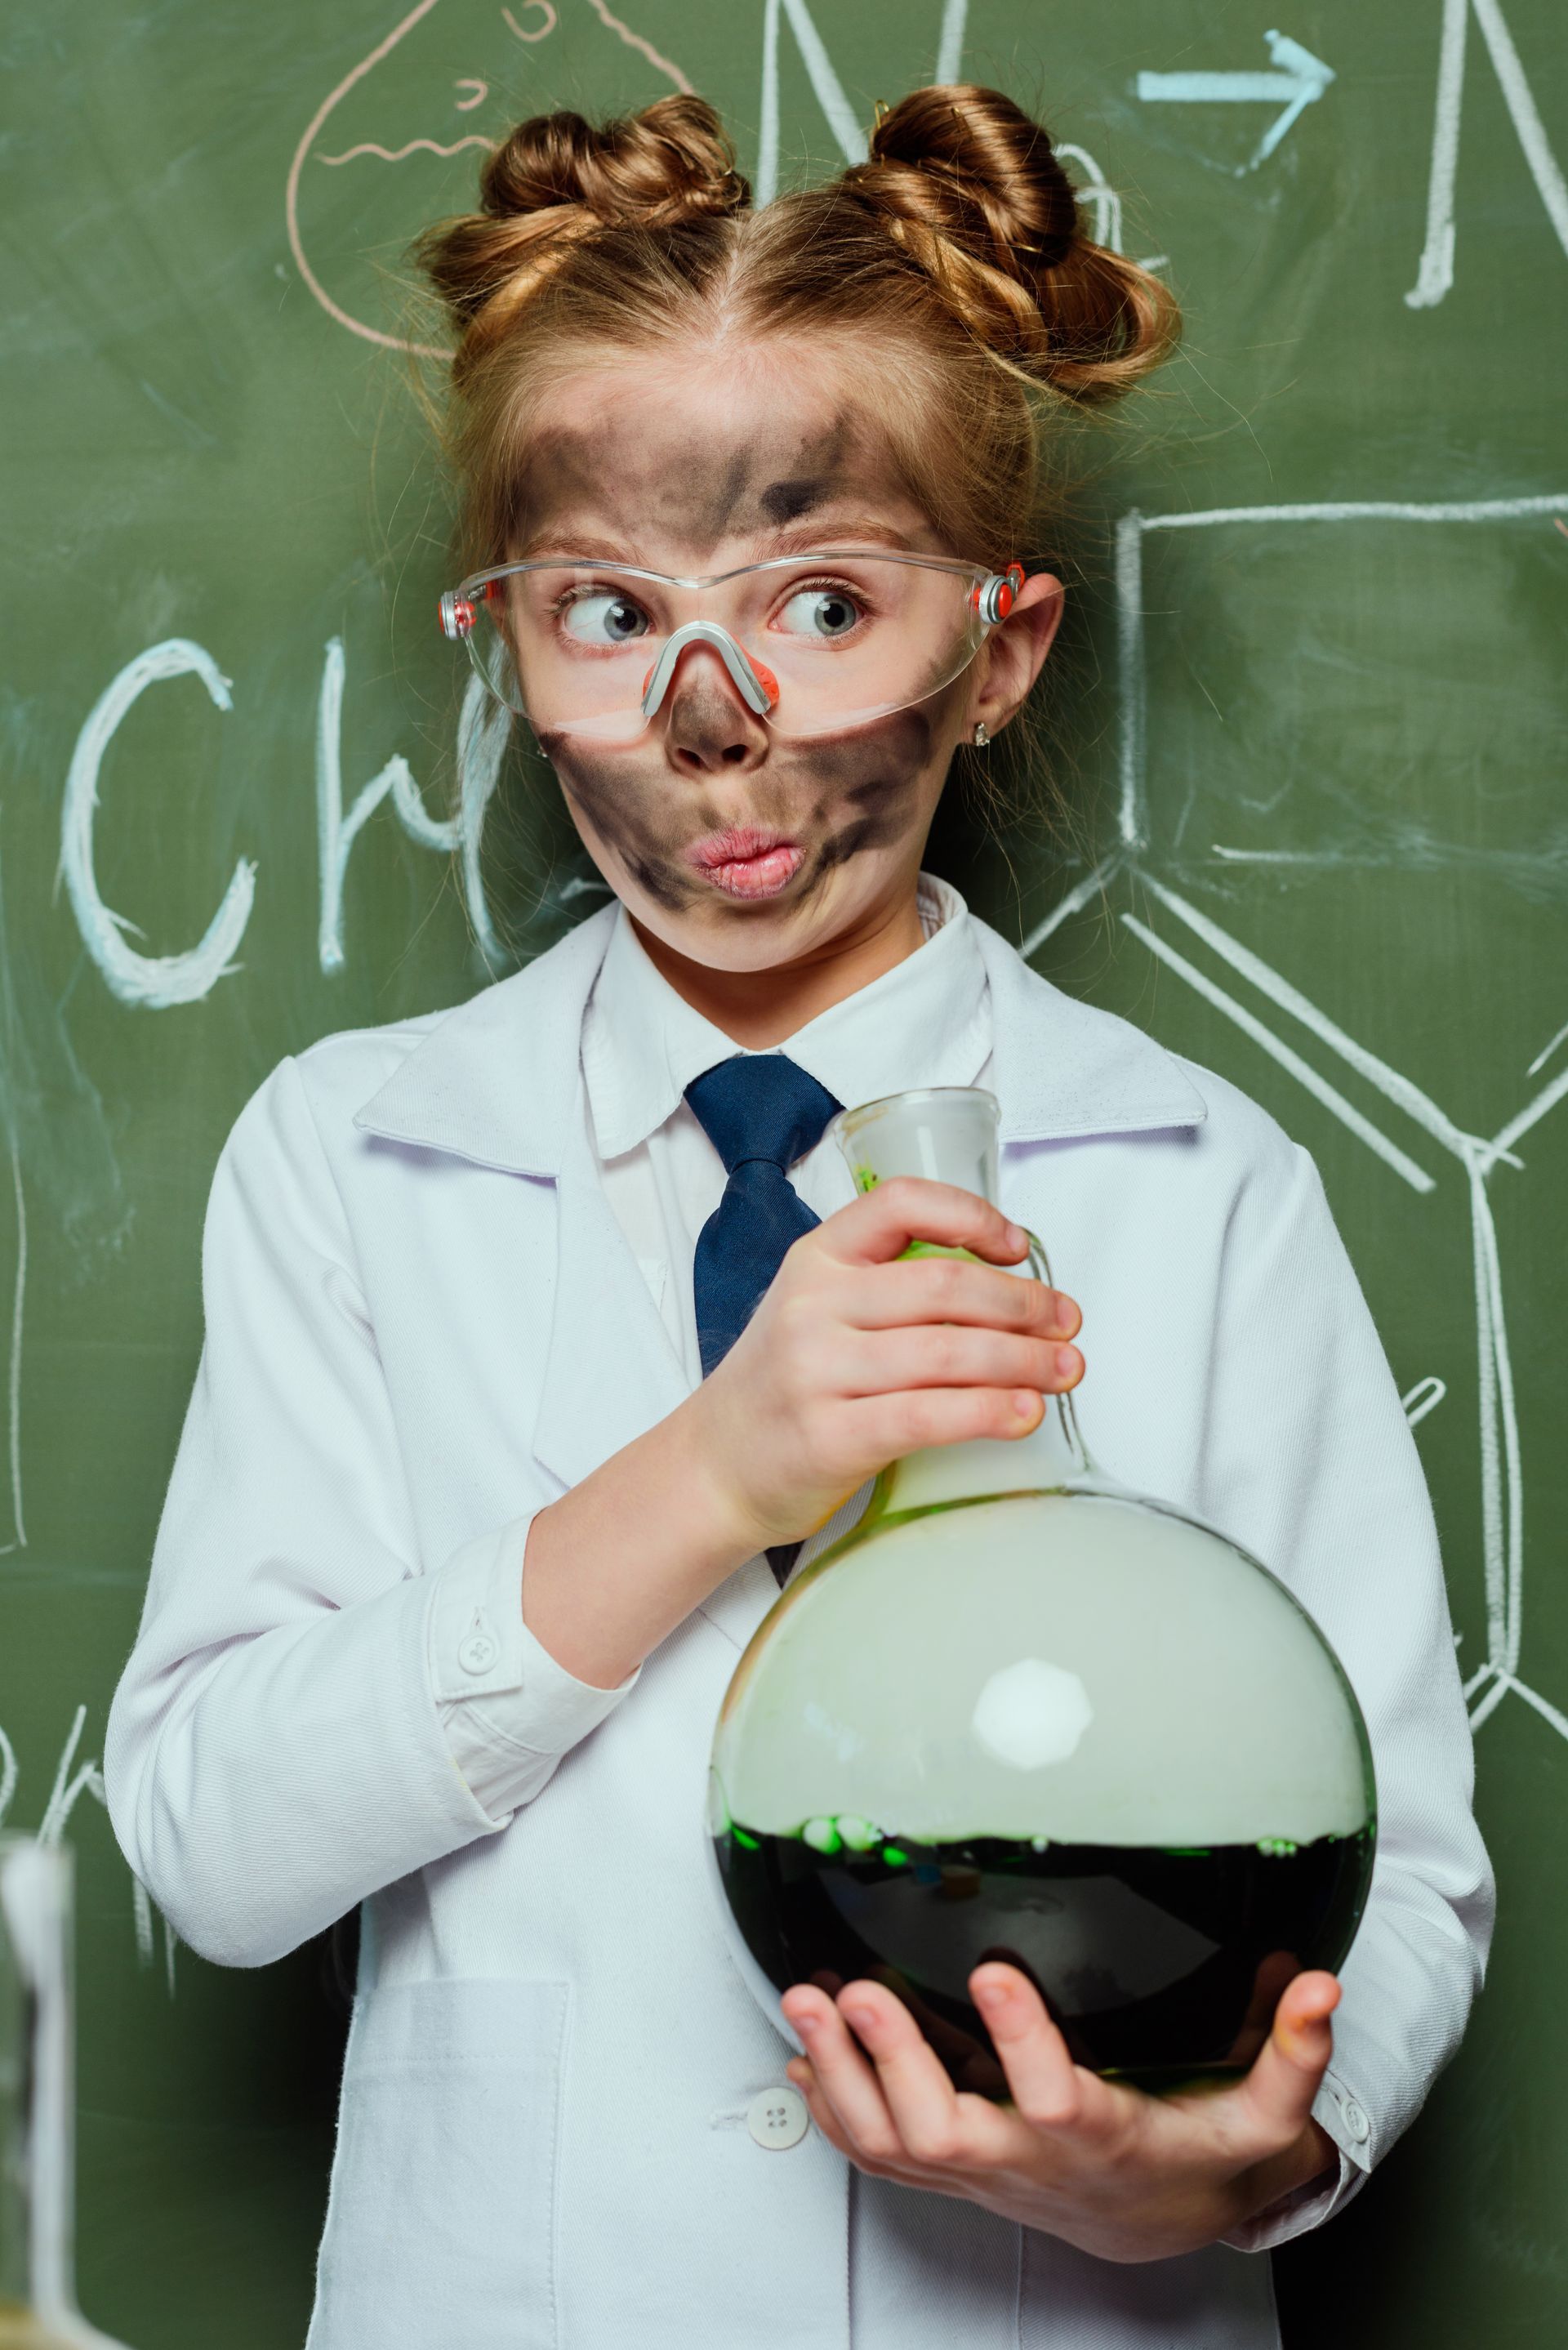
(950, 1133)
(1049, 1458)
(36, 2089)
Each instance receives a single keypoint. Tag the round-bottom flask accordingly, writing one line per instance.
(1022, 1712)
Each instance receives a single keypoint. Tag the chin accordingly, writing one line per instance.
(734, 934)
(733, 937)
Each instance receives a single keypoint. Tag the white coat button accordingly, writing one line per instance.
(1356, 2123)
(778, 2117)
(481, 1649)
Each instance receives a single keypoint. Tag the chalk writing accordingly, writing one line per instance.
(153, 983)
(1436, 273)
(1298, 80)
(155, 980)
(482, 728)
(634, 41)
(1477, 1156)
(64, 1796)
(842, 119)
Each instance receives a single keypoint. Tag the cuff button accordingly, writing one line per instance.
(480, 1649)
(1356, 2123)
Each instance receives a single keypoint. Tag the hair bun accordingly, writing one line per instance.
(970, 186)
(557, 178)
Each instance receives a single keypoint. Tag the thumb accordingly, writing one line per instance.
(1288, 2068)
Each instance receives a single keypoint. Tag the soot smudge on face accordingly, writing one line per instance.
(646, 831)
(694, 489)
(877, 773)
(646, 819)
(822, 474)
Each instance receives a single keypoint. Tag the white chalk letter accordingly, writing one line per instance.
(155, 980)
(481, 735)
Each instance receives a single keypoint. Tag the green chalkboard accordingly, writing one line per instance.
(1311, 712)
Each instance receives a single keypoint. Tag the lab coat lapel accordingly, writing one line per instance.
(611, 1370)
(499, 1082)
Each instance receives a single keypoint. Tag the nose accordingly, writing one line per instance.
(708, 728)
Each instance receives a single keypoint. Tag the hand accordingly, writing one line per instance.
(853, 1359)
(1122, 2175)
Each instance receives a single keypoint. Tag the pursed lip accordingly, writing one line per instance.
(747, 861)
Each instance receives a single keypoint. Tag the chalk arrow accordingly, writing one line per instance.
(1297, 80)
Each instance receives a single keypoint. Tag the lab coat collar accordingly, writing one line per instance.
(497, 1081)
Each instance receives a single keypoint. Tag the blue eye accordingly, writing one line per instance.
(821, 612)
(601, 619)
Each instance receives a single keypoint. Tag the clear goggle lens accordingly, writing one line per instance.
(812, 644)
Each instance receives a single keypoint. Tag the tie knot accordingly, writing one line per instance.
(760, 1105)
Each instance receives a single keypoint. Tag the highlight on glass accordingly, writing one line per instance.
(812, 644)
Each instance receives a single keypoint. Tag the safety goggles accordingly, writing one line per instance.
(811, 643)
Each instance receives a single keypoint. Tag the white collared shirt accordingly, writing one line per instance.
(927, 1022)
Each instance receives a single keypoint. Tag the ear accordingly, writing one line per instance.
(1015, 653)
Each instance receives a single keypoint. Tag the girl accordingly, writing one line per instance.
(492, 1466)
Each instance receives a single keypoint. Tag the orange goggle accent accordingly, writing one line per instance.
(994, 598)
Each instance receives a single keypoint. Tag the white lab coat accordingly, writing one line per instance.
(423, 1323)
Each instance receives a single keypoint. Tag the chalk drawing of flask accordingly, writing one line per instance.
(1022, 1711)
(38, 2291)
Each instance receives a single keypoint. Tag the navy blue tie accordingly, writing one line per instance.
(761, 1112)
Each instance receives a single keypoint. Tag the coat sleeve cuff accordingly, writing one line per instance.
(1342, 2115)
(508, 1710)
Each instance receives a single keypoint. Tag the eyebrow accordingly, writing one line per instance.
(792, 538)
(799, 536)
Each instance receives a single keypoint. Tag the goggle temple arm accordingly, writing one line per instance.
(756, 685)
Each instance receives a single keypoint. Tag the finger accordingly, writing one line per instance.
(960, 2051)
(950, 1289)
(884, 1428)
(1277, 2095)
(919, 2095)
(943, 2127)
(1050, 2092)
(880, 1225)
(882, 1362)
(801, 2072)
(845, 2075)
(1276, 1970)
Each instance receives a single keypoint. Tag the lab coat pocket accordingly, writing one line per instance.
(441, 2222)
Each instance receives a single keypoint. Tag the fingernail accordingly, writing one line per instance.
(1068, 1362)
(805, 2024)
(1028, 1403)
(1017, 1238)
(860, 2018)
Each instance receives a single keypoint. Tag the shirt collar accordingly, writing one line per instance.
(923, 1023)
(496, 1081)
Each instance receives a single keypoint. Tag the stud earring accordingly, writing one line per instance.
(980, 738)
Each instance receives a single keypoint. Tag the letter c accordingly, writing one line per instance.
(154, 980)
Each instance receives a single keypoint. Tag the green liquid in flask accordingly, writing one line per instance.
(1154, 1964)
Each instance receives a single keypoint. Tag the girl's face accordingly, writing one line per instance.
(700, 466)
